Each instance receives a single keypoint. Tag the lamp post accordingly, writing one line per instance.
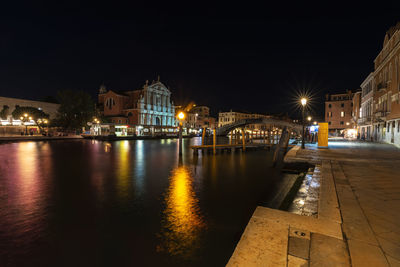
(303, 104)
(25, 119)
(96, 123)
(181, 116)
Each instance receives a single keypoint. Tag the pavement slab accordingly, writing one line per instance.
(358, 213)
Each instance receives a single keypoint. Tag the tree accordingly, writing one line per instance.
(4, 112)
(33, 112)
(76, 109)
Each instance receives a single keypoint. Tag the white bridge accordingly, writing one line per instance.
(224, 130)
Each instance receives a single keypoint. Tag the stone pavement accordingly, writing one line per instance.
(358, 216)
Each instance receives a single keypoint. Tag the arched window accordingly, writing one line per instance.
(110, 102)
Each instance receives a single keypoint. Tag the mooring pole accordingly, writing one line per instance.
(243, 139)
(180, 138)
(214, 142)
(203, 136)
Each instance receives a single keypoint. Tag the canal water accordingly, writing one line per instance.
(126, 203)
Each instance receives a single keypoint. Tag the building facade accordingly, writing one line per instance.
(338, 112)
(199, 117)
(14, 126)
(46, 107)
(380, 107)
(149, 106)
(366, 120)
(387, 85)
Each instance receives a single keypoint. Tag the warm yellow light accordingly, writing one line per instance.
(309, 118)
(45, 121)
(30, 118)
(303, 101)
(26, 115)
(21, 118)
(315, 123)
(181, 115)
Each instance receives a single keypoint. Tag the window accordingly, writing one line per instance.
(341, 123)
(342, 105)
(329, 123)
(330, 105)
(342, 114)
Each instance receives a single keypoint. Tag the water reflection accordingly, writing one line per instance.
(182, 221)
(123, 168)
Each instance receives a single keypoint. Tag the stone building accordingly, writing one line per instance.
(387, 86)
(366, 120)
(380, 106)
(199, 117)
(46, 107)
(14, 126)
(338, 111)
(149, 106)
(356, 105)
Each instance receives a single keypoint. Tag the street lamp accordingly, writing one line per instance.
(303, 102)
(96, 123)
(25, 119)
(181, 116)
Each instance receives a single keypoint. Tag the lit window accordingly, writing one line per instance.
(342, 114)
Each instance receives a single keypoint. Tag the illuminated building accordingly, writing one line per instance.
(338, 112)
(149, 110)
(386, 76)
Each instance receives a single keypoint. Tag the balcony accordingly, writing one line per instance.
(364, 121)
(382, 86)
(380, 114)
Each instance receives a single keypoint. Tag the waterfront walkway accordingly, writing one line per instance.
(357, 218)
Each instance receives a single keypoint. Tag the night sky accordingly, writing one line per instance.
(227, 56)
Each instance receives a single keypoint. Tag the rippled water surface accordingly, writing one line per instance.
(125, 203)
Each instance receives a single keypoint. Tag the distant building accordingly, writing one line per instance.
(46, 107)
(149, 109)
(10, 125)
(199, 117)
(338, 111)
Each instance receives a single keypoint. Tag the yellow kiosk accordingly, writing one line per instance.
(323, 135)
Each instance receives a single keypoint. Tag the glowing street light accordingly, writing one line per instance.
(25, 119)
(315, 123)
(309, 118)
(181, 115)
(303, 102)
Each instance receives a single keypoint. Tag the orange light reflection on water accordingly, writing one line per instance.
(123, 169)
(182, 219)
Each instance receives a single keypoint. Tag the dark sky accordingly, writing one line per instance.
(229, 56)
